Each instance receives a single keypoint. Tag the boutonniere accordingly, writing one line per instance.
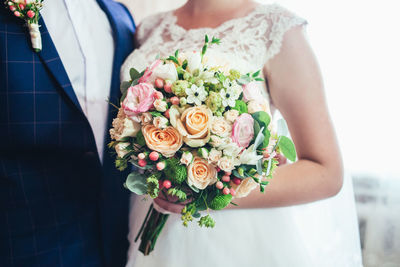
(28, 10)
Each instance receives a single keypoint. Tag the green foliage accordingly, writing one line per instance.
(140, 139)
(121, 163)
(187, 214)
(156, 113)
(153, 187)
(179, 87)
(220, 201)
(174, 191)
(287, 148)
(240, 106)
(263, 119)
(206, 221)
(134, 74)
(174, 171)
(136, 183)
(214, 101)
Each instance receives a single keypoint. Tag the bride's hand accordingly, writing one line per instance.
(169, 204)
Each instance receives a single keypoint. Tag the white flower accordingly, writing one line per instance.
(196, 94)
(231, 115)
(187, 158)
(166, 72)
(230, 149)
(208, 77)
(226, 164)
(146, 118)
(249, 156)
(221, 127)
(120, 148)
(214, 155)
(160, 105)
(231, 93)
(194, 61)
(160, 122)
(217, 141)
(123, 127)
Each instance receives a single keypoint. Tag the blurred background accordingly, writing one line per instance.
(357, 44)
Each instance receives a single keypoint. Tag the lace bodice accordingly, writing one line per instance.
(247, 42)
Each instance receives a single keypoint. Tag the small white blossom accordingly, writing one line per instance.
(196, 95)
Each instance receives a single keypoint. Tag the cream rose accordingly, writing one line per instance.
(262, 105)
(146, 118)
(120, 148)
(166, 141)
(217, 141)
(221, 127)
(160, 122)
(123, 127)
(231, 115)
(214, 156)
(193, 124)
(186, 158)
(201, 173)
(226, 164)
(245, 187)
(160, 105)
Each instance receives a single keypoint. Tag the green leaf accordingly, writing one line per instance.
(184, 64)
(215, 41)
(282, 128)
(176, 53)
(262, 118)
(240, 106)
(156, 114)
(256, 129)
(260, 137)
(204, 50)
(206, 39)
(136, 183)
(174, 59)
(255, 74)
(140, 139)
(244, 79)
(124, 86)
(259, 79)
(287, 148)
(134, 74)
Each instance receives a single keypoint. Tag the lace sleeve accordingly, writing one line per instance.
(280, 20)
(147, 26)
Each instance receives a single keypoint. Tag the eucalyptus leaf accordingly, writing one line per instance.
(255, 74)
(136, 183)
(287, 148)
(124, 86)
(256, 129)
(236, 174)
(134, 74)
(282, 128)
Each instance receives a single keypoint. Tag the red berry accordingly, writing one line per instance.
(159, 83)
(219, 185)
(236, 181)
(160, 165)
(226, 178)
(166, 114)
(167, 184)
(21, 6)
(13, 8)
(226, 191)
(174, 100)
(154, 156)
(142, 162)
(232, 191)
(167, 87)
(17, 14)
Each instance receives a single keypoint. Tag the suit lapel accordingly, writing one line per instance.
(50, 57)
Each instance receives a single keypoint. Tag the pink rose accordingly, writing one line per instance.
(242, 130)
(149, 71)
(251, 91)
(139, 99)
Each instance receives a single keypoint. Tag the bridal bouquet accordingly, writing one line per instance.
(198, 133)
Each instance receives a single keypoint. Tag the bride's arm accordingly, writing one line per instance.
(297, 90)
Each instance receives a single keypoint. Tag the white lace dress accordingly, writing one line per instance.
(319, 234)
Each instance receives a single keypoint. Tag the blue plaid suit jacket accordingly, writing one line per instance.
(58, 205)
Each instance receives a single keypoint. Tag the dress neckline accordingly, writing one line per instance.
(229, 22)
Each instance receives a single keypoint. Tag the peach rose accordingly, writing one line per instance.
(244, 188)
(201, 173)
(166, 141)
(193, 124)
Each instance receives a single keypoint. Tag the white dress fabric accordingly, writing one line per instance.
(322, 234)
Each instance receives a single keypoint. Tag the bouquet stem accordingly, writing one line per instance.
(150, 230)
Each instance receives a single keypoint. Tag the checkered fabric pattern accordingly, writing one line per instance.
(58, 205)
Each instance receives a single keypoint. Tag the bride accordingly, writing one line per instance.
(266, 229)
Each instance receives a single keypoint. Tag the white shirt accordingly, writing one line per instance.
(84, 40)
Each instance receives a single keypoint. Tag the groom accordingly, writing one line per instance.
(61, 200)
